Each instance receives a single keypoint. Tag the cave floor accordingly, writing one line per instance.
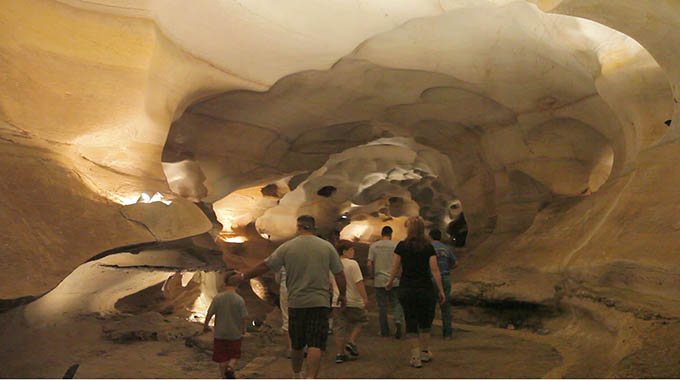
(474, 352)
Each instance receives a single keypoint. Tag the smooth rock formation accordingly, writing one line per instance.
(553, 124)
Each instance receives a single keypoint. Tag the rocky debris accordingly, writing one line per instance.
(474, 303)
(255, 368)
(203, 342)
(149, 326)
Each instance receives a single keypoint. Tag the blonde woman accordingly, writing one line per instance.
(418, 262)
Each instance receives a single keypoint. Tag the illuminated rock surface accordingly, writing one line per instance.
(544, 121)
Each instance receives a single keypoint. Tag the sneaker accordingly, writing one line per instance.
(229, 373)
(415, 362)
(425, 356)
(351, 348)
(341, 358)
(298, 375)
(398, 333)
(330, 331)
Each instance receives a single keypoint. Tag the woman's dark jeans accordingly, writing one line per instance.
(447, 330)
(419, 305)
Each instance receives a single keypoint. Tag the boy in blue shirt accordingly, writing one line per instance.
(445, 261)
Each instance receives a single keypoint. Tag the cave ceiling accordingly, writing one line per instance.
(512, 109)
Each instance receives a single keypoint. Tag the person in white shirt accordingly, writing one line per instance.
(283, 303)
(380, 257)
(353, 317)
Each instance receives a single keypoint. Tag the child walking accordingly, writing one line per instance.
(230, 312)
(353, 317)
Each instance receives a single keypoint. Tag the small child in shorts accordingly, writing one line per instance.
(353, 317)
(230, 312)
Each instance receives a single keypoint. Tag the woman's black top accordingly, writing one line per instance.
(415, 264)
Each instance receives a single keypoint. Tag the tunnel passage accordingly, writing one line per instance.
(555, 129)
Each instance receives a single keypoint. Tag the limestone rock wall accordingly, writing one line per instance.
(548, 129)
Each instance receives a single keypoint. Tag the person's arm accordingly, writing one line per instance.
(369, 263)
(258, 270)
(362, 291)
(437, 277)
(342, 287)
(396, 266)
(273, 262)
(338, 270)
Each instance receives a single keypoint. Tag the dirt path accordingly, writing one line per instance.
(475, 352)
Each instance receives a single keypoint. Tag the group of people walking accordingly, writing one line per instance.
(417, 267)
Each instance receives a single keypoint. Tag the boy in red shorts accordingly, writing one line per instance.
(230, 312)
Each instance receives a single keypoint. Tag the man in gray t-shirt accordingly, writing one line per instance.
(380, 259)
(307, 260)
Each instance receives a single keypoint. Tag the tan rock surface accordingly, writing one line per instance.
(547, 129)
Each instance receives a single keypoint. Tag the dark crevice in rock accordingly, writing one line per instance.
(508, 314)
(153, 268)
(8, 304)
(185, 245)
(297, 180)
(132, 248)
(271, 190)
(148, 229)
(458, 230)
(326, 191)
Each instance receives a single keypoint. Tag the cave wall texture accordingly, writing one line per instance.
(544, 119)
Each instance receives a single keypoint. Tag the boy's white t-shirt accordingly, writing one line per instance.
(352, 276)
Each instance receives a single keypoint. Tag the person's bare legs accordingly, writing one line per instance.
(223, 369)
(290, 345)
(424, 341)
(414, 342)
(313, 362)
(296, 359)
(224, 365)
(340, 342)
(355, 333)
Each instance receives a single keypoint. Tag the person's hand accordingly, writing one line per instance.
(442, 297)
(366, 304)
(342, 301)
(388, 286)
